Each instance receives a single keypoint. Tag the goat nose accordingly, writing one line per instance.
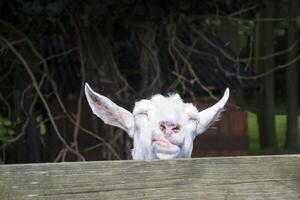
(169, 127)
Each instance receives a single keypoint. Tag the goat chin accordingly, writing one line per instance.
(165, 152)
(164, 156)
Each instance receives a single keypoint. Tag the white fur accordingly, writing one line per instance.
(143, 124)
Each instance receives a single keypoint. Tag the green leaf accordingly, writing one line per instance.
(42, 129)
(6, 122)
(280, 32)
(2, 131)
(39, 118)
(11, 132)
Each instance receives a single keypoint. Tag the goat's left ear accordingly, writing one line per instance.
(108, 111)
(208, 116)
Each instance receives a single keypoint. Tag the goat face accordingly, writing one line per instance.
(161, 127)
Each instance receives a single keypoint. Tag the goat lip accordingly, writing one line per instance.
(162, 143)
(161, 140)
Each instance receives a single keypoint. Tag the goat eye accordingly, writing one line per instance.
(144, 114)
(195, 120)
(176, 128)
(162, 127)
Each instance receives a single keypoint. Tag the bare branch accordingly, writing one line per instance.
(35, 84)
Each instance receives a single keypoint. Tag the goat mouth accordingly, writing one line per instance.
(165, 150)
(162, 143)
(165, 142)
(161, 140)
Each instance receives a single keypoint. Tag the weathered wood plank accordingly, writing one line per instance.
(262, 177)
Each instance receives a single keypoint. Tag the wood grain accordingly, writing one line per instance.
(259, 177)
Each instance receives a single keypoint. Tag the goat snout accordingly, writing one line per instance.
(169, 128)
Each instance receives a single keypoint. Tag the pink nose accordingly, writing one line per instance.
(169, 128)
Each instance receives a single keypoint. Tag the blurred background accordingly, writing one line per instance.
(131, 49)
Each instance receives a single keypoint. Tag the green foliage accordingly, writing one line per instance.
(280, 132)
(41, 125)
(37, 7)
(31, 7)
(253, 132)
(213, 21)
(6, 128)
(245, 31)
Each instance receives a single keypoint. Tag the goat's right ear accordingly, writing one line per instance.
(211, 114)
(109, 112)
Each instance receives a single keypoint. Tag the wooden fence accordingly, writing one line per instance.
(259, 177)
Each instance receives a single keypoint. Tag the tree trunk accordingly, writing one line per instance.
(149, 61)
(266, 113)
(291, 81)
(33, 141)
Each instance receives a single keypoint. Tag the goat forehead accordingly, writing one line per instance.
(171, 107)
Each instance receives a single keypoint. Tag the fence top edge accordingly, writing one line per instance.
(297, 156)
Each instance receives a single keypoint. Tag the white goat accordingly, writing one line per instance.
(161, 127)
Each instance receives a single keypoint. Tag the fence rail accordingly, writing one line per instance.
(257, 177)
